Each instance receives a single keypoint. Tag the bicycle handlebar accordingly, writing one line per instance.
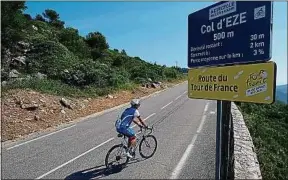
(150, 129)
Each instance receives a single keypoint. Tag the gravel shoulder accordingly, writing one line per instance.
(26, 111)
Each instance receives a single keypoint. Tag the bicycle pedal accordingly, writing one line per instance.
(133, 154)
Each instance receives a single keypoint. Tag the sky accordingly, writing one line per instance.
(154, 31)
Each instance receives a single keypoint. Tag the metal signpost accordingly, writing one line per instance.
(230, 34)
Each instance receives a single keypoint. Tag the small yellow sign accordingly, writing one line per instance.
(244, 83)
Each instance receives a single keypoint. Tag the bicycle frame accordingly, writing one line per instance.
(138, 138)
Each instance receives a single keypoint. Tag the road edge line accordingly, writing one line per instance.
(178, 169)
(40, 137)
(71, 160)
(166, 105)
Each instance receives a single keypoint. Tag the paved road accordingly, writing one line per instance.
(184, 128)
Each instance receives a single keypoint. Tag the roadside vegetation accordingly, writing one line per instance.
(268, 126)
(40, 53)
(51, 75)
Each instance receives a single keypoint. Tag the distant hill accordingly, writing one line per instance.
(184, 70)
(281, 93)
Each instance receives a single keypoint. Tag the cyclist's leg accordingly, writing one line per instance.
(132, 137)
(129, 132)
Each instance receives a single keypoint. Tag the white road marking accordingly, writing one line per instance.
(183, 159)
(167, 105)
(149, 116)
(40, 137)
(40, 177)
(55, 169)
(206, 108)
(212, 112)
(201, 124)
(176, 172)
(178, 97)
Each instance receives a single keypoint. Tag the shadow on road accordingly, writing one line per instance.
(98, 171)
(94, 173)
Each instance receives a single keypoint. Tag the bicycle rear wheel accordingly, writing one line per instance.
(120, 155)
(146, 142)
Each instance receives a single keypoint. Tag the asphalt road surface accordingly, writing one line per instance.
(185, 130)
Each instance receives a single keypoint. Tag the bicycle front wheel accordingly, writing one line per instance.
(116, 155)
(148, 146)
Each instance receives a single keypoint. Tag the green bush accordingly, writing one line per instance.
(170, 73)
(96, 40)
(12, 22)
(105, 58)
(44, 32)
(140, 80)
(118, 78)
(56, 87)
(139, 72)
(87, 72)
(70, 38)
(268, 126)
(50, 58)
(119, 60)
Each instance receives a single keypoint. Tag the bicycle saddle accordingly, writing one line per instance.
(120, 135)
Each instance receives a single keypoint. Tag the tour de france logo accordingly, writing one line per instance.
(256, 83)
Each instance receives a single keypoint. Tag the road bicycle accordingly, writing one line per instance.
(120, 149)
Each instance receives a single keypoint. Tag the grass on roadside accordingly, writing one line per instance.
(268, 126)
(59, 88)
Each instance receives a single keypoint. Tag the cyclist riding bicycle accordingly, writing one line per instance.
(123, 124)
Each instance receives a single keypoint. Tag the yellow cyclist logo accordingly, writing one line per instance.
(256, 83)
(255, 79)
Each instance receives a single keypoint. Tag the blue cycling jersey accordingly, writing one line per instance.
(126, 118)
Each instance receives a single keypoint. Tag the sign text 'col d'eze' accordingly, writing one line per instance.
(230, 33)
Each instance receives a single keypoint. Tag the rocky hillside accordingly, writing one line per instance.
(42, 47)
(25, 111)
(51, 75)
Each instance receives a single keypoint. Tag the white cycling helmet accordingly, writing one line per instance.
(134, 102)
